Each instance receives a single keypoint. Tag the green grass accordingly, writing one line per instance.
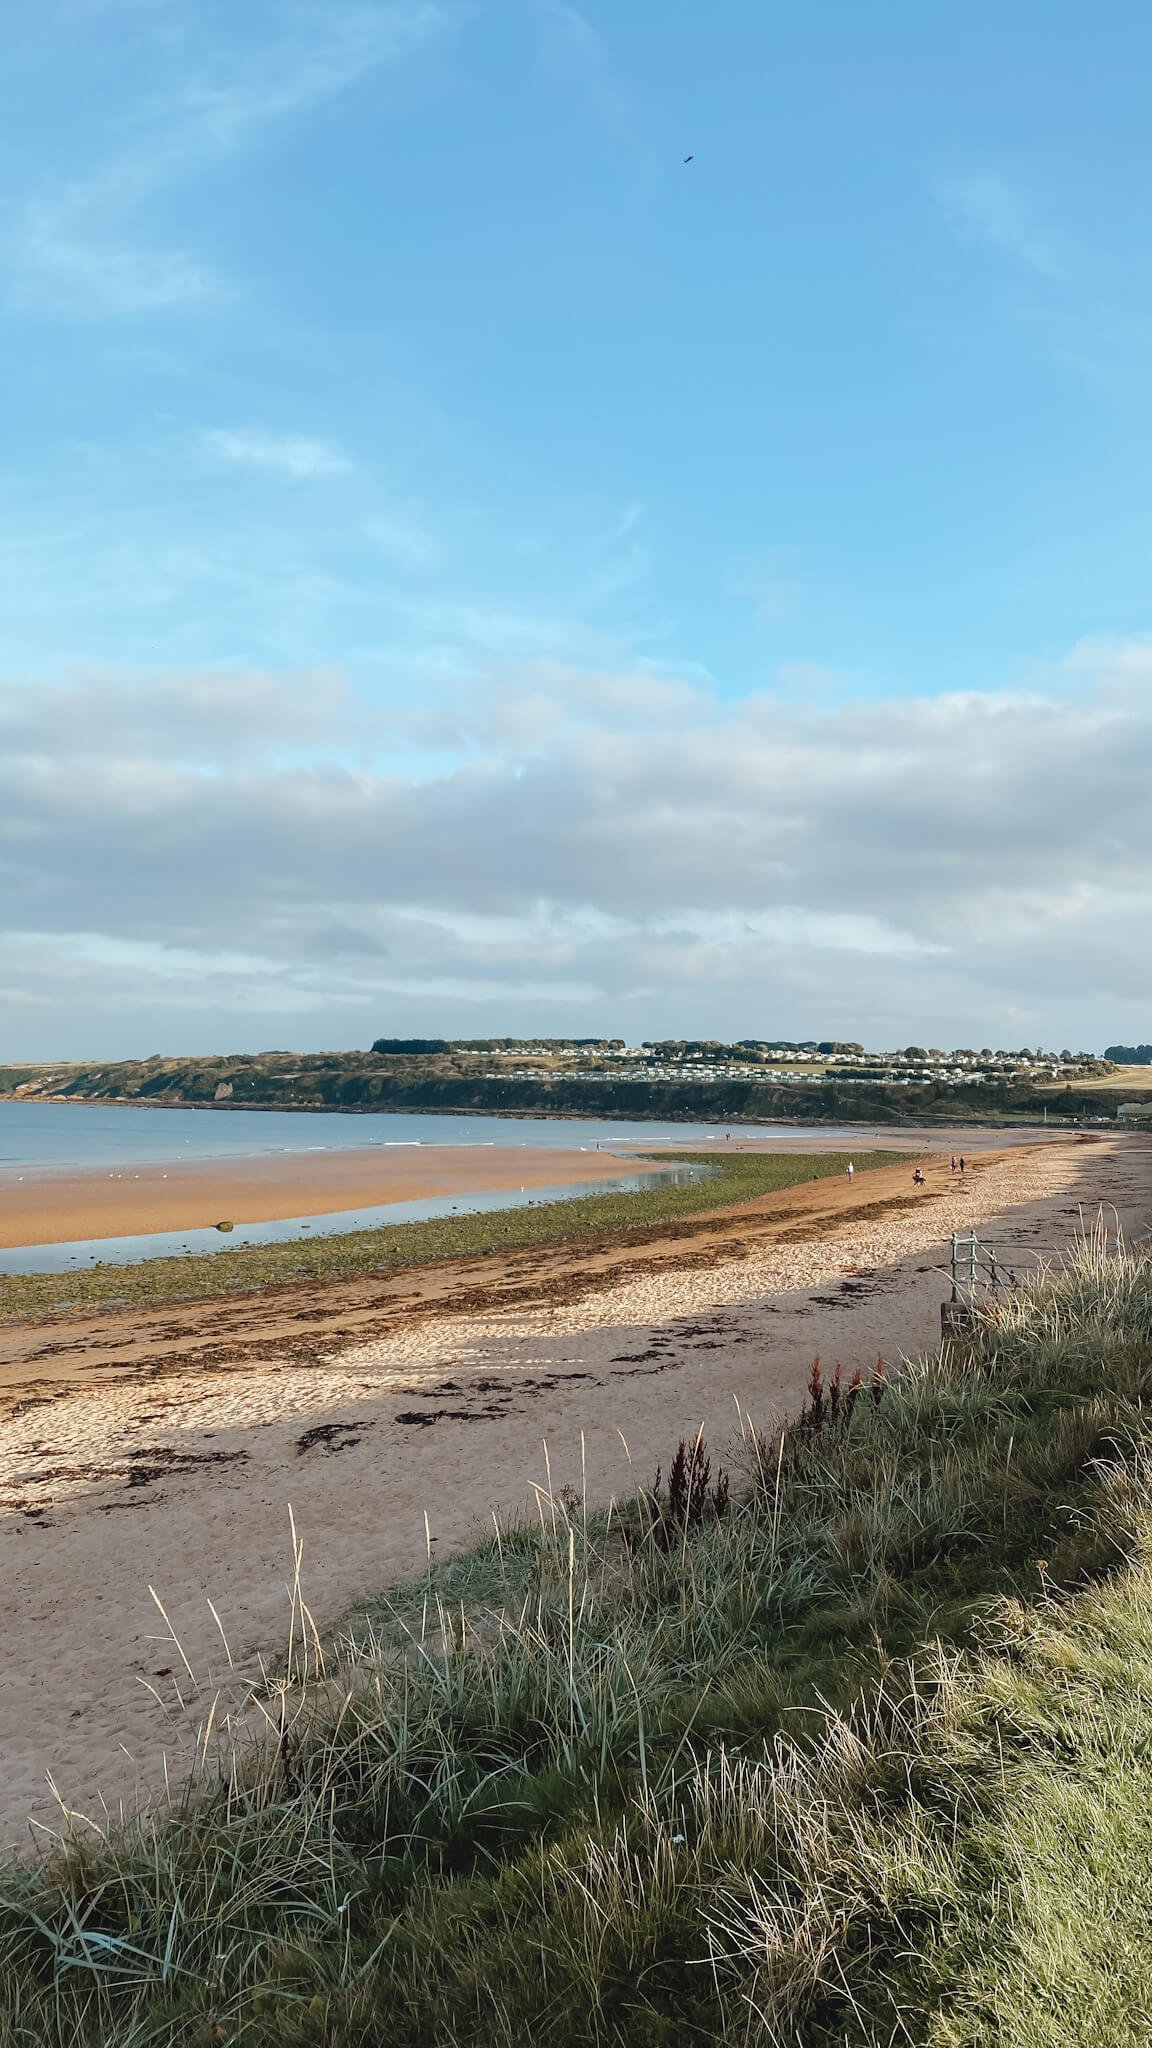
(739, 1177)
(867, 1761)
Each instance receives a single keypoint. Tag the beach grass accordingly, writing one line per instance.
(736, 1177)
(863, 1757)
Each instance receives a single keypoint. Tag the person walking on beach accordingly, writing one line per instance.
(961, 1166)
(952, 1168)
(850, 1170)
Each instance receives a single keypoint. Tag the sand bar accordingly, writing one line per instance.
(66, 1205)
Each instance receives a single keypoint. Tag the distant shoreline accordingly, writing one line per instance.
(687, 1115)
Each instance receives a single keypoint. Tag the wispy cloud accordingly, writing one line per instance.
(568, 30)
(75, 269)
(986, 208)
(345, 44)
(571, 47)
(290, 455)
(76, 246)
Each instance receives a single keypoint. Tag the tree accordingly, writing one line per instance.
(410, 1047)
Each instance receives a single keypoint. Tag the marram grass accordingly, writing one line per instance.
(740, 1177)
(864, 1759)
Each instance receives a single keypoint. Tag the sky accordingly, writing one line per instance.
(468, 570)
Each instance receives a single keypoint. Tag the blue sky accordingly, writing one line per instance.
(399, 433)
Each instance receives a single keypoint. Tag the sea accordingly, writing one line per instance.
(96, 1134)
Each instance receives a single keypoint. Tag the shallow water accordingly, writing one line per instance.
(167, 1244)
(82, 1134)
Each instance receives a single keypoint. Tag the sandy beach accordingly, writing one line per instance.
(71, 1204)
(164, 1448)
(63, 1205)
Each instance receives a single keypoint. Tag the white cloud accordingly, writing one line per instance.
(809, 680)
(611, 851)
(291, 455)
(986, 208)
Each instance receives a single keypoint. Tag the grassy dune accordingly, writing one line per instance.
(738, 1177)
(866, 1759)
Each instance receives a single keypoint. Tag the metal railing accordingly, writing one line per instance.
(976, 1267)
(977, 1270)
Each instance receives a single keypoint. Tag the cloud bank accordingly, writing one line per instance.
(198, 860)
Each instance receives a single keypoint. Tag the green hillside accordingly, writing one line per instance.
(712, 1085)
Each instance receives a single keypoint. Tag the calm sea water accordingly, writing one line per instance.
(61, 1135)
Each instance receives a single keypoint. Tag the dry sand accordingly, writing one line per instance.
(68, 1205)
(164, 1448)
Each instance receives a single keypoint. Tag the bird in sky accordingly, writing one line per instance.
(689, 159)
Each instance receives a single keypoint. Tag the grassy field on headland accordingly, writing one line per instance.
(737, 1177)
(859, 1755)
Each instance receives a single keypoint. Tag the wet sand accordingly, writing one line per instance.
(164, 1449)
(70, 1205)
(67, 1205)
